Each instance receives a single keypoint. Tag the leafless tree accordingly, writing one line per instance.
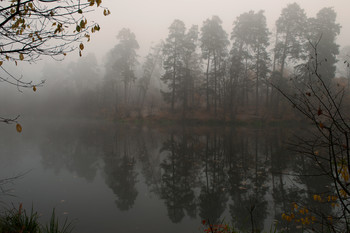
(328, 141)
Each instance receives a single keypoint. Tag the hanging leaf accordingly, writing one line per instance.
(81, 46)
(80, 11)
(18, 128)
(82, 24)
(21, 57)
(78, 28)
(0, 63)
(34, 88)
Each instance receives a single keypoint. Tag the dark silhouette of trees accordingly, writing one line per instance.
(151, 67)
(120, 72)
(172, 63)
(178, 178)
(323, 31)
(291, 35)
(214, 44)
(250, 38)
(327, 143)
(181, 65)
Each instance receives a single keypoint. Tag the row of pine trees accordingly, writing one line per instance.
(223, 74)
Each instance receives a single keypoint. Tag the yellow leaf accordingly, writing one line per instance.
(98, 2)
(34, 88)
(284, 216)
(80, 53)
(19, 128)
(0, 63)
(295, 206)
(21, 57)
(81, 46)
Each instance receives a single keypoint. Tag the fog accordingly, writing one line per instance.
(149, 21)
(173, 107)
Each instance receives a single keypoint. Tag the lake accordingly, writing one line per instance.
(125, 178)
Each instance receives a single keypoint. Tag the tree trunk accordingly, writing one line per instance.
(257, 82)
(207, 73)
(215, 86)
(174, 82)
(284, 56)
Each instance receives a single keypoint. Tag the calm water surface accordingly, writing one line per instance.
(122, 178)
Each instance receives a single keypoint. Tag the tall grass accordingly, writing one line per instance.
(19, 221)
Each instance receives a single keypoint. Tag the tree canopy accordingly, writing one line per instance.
(30, 29)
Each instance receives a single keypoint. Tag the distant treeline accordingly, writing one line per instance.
(200, 72)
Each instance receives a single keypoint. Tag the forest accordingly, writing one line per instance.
(200, 72)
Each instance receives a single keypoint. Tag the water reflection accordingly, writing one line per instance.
(233, 173)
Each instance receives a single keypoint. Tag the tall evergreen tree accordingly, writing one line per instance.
(214, 44)
(150, 68)
(259, 43)
(181, 63)
(191, 65)
(122, 60)
(250, 40)
(290, 38)
(323, 31)
(172, 63)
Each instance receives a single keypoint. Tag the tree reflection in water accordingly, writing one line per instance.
(239, 174)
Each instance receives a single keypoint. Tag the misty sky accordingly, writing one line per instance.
(150, 19)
